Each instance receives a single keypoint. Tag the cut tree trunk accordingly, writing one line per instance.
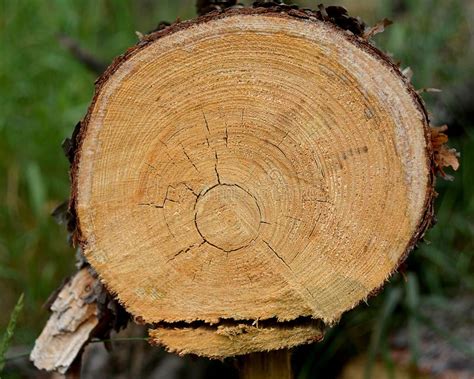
(251, 167)
(242, 179)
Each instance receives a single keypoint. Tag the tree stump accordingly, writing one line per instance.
(242, 179)
(246, 173)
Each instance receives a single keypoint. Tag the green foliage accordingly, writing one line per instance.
(8, 335)
(44, 92)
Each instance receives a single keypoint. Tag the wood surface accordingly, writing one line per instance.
(229, 340)
(253, 164)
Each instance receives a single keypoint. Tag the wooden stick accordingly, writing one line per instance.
(91, 62)
(268, 365)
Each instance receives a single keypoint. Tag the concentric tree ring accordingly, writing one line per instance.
(250, 166)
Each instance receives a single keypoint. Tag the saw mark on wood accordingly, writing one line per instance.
(290, 269)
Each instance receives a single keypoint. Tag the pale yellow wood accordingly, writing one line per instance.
(249, 167)
(230, 340)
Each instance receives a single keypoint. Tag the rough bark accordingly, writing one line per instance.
(70, 326)
(81, 310)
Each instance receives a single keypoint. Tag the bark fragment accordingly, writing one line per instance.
(444, 156)
(379, 27)
(81, 310)
(69, 327)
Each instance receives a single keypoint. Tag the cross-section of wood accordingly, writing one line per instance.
(231, 340)
(250, 165)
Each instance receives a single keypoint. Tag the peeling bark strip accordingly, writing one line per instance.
(262, 163)
(69, 327)
(81, 310)
(443, 155)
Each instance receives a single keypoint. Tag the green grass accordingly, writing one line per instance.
(44, 92)
(8, 335)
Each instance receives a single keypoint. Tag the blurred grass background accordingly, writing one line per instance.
(45, 91)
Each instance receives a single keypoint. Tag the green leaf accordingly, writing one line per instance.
(7, 337)
(36, 189)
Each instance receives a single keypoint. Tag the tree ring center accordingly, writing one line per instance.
(227, 217)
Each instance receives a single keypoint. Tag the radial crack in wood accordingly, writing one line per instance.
(248, 165)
